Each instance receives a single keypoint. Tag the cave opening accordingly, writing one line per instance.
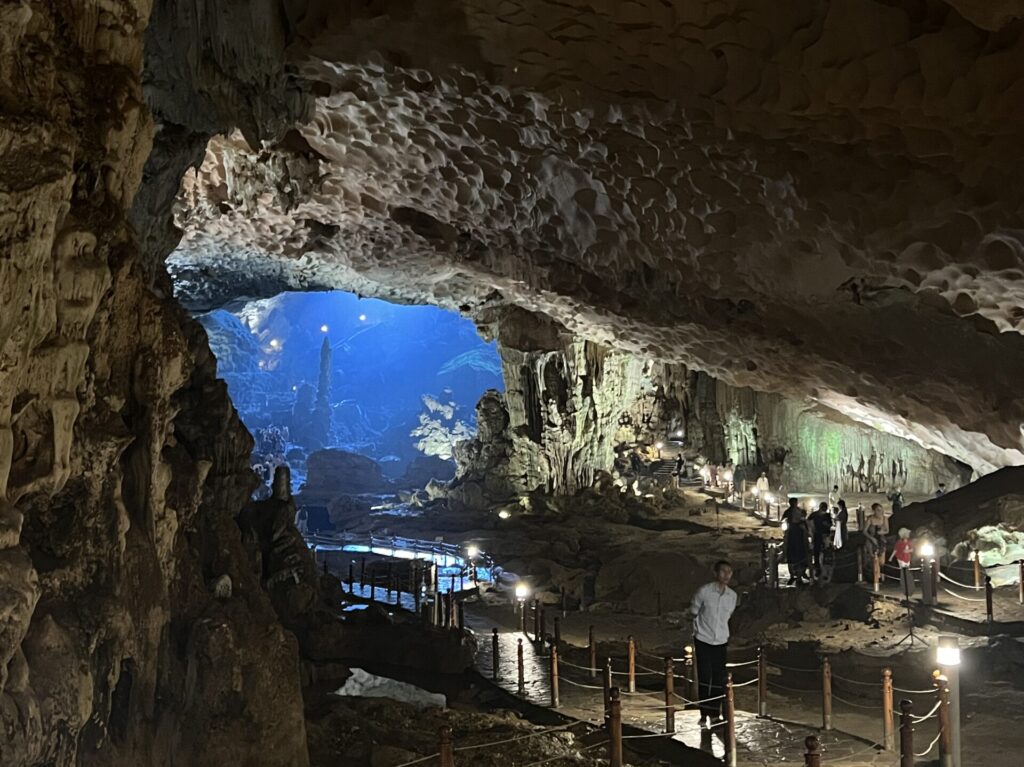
(372, 396)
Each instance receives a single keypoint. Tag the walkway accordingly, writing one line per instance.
(759, 741)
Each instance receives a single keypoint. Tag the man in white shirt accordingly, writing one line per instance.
(712, 606)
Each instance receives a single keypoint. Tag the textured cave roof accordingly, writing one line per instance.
(818, 199)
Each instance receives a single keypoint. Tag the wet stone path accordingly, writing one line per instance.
(759, 741)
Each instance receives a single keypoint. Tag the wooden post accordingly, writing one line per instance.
(945, 732)
(906, 734)
(935, 570)
(614, 729)
(536, 620)
(542, 635)
(351, 575)
(522, 668)
(762, 682)
(860, 564)
(558, 631)
(593, 652)
(362, 573)
(876, 570)
(888, 737)
(606, 683)
(631, 660)
(812, 758)
(826, 694)
(773, 566)
(522, 616)
(1020, 582)
(690, 668)
(435, 576)
(988, 598)
(554, 676)
(391, 579)
(494, 653)
(451, 585)
(670, 706)
(446, 755)
(977, 569)
(730, 722)
(373, 582)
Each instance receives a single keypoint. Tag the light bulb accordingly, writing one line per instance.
(522, 592)
(324, 328)
(472, 551)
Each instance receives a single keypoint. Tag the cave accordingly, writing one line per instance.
(743, 280)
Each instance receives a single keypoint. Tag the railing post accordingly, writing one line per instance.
(494, 653)
(542, 635)
(536, 620)
(521, 666)
(1020, 582)
(446, 755)
(826, 694)
(876, 571)
(670, 706)
(351, 575)
(730, 722)
(860, 564)
(592, 645)
(558, 631)
(906, 734)
(631, 660)
(554, 676)
(762, 682)
(565, 601)
(690, 668)
(888, 737)
(362, 573)
(945, 732)
(606, 684)
(373, 582)
(614, 729)
(812, 757)
(522, 617)
(977, 569)
(773, 566)
(391, 580)
(988, 598)
(936, 569)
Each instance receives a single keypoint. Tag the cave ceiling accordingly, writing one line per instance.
(820, 199)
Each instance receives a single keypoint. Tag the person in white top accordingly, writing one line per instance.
(712, 606)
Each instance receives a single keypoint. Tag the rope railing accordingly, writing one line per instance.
(958, 583)
(516, 739)
(562, 756)
(931, 745)
(929, 715)
(966, 599)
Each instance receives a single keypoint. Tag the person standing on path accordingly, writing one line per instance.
(794, 542)
(712, 606)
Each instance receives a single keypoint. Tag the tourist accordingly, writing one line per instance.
(841, 520)
(941, 491)
(680, 463)
(821, 526)
(874, 533)
(861, 523)
(762, 491)
(795, 542)
(712, 606)
(833, 497)
(896, 497)
(902, 552)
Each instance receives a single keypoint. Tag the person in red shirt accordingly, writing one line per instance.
(902, 552)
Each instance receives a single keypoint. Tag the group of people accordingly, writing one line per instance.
(811, 541)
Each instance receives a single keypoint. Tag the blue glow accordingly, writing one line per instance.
(383, 358)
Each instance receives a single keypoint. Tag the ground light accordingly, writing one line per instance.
(927, 552)
(503, 514)
(324, 328)
(472, 551)
(362, 318)
(947, 655)
(658, 446)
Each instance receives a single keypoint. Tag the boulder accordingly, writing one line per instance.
(334, 472)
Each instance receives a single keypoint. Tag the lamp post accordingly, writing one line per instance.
(927, 563)
(658, 446)
(522, 594)
(947, 655)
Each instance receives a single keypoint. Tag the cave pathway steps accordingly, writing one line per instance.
(759, 741)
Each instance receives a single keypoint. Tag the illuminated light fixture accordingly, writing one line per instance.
(472, 551)
(295, 388)
(947, 652)
(658, 445)
(275, 344)
(503, 514)
(810, 504)
(324, 328)
(522, 592)
(927, 550)
(757, 491)
(362, 318)
(679, 433)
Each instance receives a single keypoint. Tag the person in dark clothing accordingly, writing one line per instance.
(795, 542)
(821, 526)
(897, 500)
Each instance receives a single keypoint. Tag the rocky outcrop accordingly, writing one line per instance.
(334, 472)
